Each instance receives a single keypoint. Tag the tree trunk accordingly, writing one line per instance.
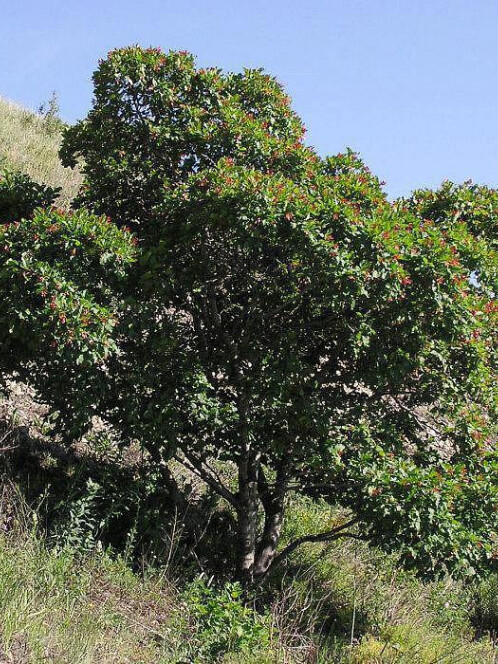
(257, 554)
(247, 517)
(273, 503)
(269, 541)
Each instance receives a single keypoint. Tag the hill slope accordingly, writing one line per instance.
(30, 143)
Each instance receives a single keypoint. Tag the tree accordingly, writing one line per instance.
(285, 320)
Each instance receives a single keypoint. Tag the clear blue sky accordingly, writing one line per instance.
(411, 84)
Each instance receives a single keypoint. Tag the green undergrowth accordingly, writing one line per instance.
(368, 610)
(342, 602)
(58, 607)
(96, 566)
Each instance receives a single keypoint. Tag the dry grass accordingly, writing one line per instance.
(58, 607)
(55, 609)
(31, 144)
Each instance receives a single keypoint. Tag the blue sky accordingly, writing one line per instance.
(412, 85)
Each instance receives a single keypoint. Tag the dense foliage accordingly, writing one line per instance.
(20, 195)
(59, 272)
(282, 318)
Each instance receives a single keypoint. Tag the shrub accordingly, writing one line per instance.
(59, 276)
(20, 196)
(49, 111)
(223, 624)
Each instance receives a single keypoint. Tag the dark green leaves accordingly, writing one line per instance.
(20, 196)
(57, 273)
(282, 310)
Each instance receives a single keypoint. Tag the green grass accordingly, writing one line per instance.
(65, 606)
(30, 143)
(56, 608)
(376, 613)
(342, 603)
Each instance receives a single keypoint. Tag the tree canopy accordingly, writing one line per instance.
(281, 317)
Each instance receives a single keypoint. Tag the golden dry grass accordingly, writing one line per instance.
(30, 144)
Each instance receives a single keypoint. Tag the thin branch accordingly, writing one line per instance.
(263, 487)
(423, 423)
(4, 437)
(326, 536)
(195, 466)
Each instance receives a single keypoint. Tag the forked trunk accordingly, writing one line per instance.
(256, 554)
(267, 548)
(273, 504)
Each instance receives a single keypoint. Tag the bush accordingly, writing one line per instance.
(57, 274)
(485, 600)
(50, 112)
(20, 196)
(223, 623)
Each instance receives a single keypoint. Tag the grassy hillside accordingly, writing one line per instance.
(30, 143)
(341, 604)
(94, 566)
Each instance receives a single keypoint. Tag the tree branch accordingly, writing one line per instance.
(195, 466)
(326, 536)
